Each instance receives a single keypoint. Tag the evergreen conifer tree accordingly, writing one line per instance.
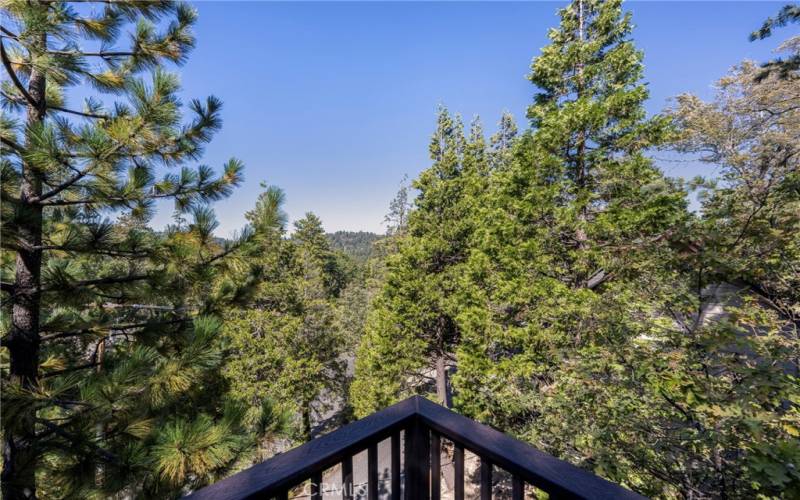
(788, 68)
(566, 230)
(411, 331)
(110, 328)
(287, 349)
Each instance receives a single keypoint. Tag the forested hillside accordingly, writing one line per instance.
(548, 278)
(357, 244)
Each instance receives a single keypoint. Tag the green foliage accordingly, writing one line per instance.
(579, 303)
(111, 354)
(568, 226)
(786, 69)
(552, 283)
(288, 348)
(411, 330)
(355, 244)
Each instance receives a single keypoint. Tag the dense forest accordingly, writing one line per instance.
(549, 279)
(356, 244)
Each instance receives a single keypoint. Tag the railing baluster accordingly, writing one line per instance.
(396, 466)
(408, 456)
(517, 488)
(458, 476)
(347, 478)
(436, 466)
(372, 472)
(486, 479)
(425, 461)
(418, 461)
(316, 486)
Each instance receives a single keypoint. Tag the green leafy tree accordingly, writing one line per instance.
(109, 330)
(745, 415)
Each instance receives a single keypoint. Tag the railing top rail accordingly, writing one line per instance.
(296, 465)
(517, 457)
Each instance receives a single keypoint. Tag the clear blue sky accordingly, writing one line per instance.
(334, 102)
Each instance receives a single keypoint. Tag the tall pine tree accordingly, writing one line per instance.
(567, 230)
(411, 330)
(110, 327)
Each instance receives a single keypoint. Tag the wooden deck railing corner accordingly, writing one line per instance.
(415, 428)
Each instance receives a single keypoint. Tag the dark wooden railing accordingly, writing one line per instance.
(424, 425)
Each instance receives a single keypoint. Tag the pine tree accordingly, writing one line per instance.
(314, 245)
(411, 331)
(111, 326)
(397, 218)
(786, 69)
(288, 348)
(567, 231)
(502, 142)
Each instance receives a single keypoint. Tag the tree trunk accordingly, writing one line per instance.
(442, 385)
(444, 395)
(580, 159)
(19, 442)
(307, 422)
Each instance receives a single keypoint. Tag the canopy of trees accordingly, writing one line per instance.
(556, 285)
(549, 279)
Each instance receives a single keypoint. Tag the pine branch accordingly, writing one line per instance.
(102, 453)
(101, 251)
(80, 174)
(144, 307)
(119, 199)
(222, 254)
(64, 335)
(57, 108)
(79, 113)
(103, 54)
(13, 145)
(64, 185)
(92, 364)
(109, 280)
(13, 75)
(130, 326)
(7, 287)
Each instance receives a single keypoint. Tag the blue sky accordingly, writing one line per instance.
(334, 102)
